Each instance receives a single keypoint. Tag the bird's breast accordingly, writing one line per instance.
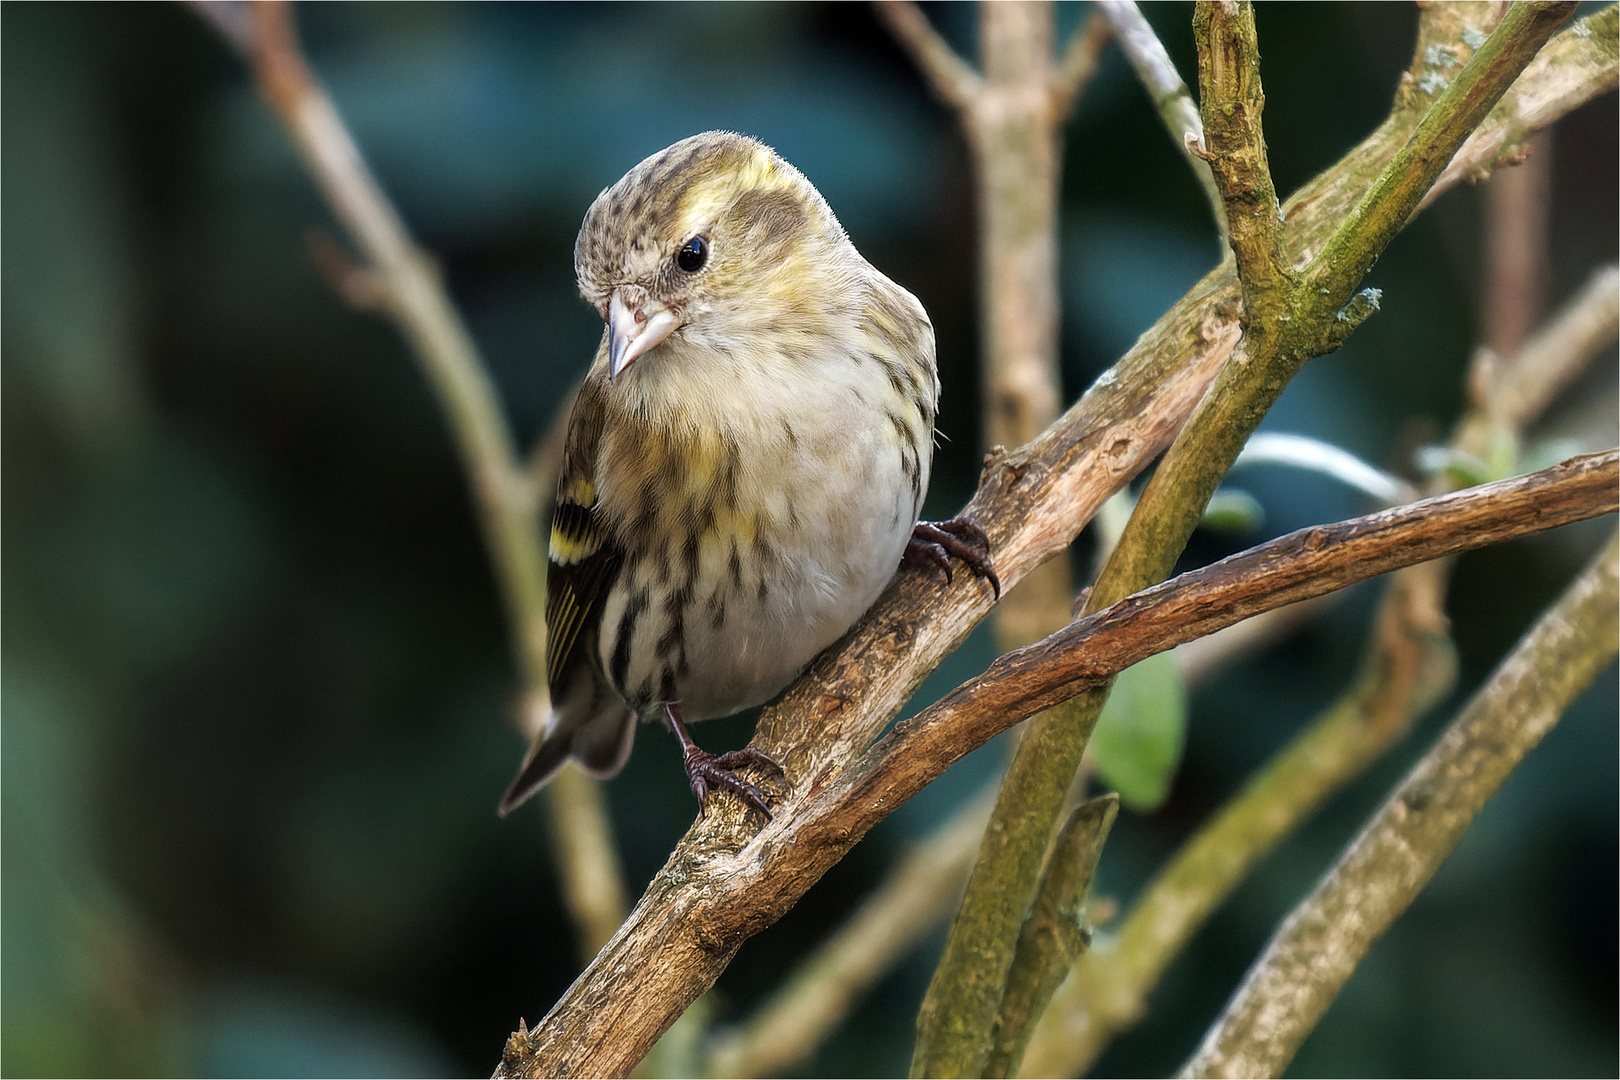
(754, 537)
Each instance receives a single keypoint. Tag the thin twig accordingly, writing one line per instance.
(1079, 63)
(1323, 940)
(1054, 935)
(1559, 351)
(401, 279)
(1171, 98)
(952, 78)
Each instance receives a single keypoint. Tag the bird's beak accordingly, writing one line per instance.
(635, 329)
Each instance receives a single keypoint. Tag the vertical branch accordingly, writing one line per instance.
(1324, 939)
(1516, 259)
(1288, 319)
(404, 282)
(1012, 114)
(1014, 132)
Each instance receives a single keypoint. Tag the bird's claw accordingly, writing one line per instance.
(707, 772)
(933, 543)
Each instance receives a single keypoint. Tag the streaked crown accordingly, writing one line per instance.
(752, 210)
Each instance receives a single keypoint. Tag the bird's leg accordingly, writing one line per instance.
(933, 543)
(706, 771)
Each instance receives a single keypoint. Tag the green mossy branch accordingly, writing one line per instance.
(1054, 935)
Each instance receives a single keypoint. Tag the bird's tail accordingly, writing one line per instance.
(600, 746)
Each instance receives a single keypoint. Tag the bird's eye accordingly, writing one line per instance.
(693, 255)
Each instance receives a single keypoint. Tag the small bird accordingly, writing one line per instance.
(744, 463)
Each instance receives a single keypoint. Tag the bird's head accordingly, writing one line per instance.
(717, 240)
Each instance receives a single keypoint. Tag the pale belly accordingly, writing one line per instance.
(778, 580)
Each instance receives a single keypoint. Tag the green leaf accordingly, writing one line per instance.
(1233, 511)
(1138, 739)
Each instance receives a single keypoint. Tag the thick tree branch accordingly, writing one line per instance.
(1288, 320)
(964, 997)
(1033, 502)
(1578, 65)
(917, 895)
(1459, 110)
(1323, 940)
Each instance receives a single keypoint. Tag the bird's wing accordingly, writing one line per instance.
(584, 560)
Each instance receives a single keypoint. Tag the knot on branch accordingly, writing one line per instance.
(1345, 321)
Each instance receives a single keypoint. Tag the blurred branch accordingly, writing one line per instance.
(719, 887)
(400, 279)
(952, 78)
(1558, 352)
(1079, 64)
(1170, 96)
(1516, 258)
(1323, 940)
(917, 895)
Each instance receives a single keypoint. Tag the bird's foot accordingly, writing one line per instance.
(706, 772)
(933, 543)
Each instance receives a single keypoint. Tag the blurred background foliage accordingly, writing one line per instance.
(256, 691)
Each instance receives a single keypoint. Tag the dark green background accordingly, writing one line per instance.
(256, 687)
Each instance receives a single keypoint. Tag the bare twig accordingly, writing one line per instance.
(1324, 938)
(952, 78)
(400, 279)
(1079, 64)
(1559, 351)
(1171, 98)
